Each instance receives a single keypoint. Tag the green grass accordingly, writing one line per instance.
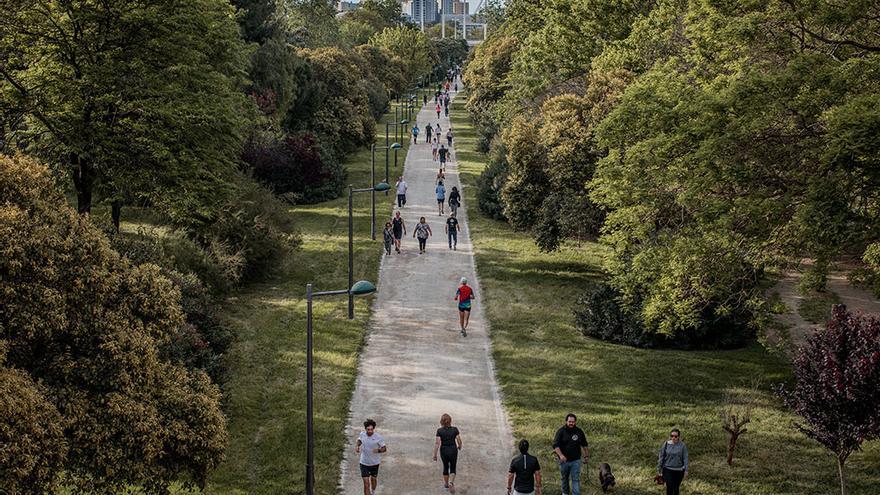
(628, 399)
(265, 395)
(815, 306)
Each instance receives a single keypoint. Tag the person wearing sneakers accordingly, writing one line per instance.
(524, 475)
(464, 295)
(449, 136)
(438, 110)
(440, 190)
(401, 192)
(422, 232)
(398, 227)
(370, 445)
(388, 237)
(443, 153)
(434, 149)
(448, 443)
(428, 131)
(415, 133)
(452, 230)
(454, 200)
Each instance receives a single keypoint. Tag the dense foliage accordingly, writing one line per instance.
(81, 335)
(837, 385)
(709, 142)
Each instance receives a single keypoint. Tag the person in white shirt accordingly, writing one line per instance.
(401, 192)
(370, 445)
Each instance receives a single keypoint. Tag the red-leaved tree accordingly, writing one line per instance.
(837, 385)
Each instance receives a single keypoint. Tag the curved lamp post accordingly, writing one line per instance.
(361, 288)
(382, 186)
(373, 148)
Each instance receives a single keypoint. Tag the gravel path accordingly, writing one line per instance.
(416, 366)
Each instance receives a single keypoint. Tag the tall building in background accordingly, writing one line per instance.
(446, 6)
(429, 7)
(461, 8)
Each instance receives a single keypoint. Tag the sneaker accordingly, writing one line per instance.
(451, 488)
(455, 248)
(463, 332)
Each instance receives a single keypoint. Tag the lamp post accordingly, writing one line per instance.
(361, 288)
(382, 186)
(373, 148)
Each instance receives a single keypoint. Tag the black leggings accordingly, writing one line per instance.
(422, 243)
(449, 456)
(673, 480)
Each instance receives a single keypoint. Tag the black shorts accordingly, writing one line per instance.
(369, 471)
(398, 235)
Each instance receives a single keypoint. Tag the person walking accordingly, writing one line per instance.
(568, 444)
(465, 296)
(452, 230)
(401, 192)
(422, 232)
(446, 110)
(434, 149)
(370, 445)
(443, 153)
(448, 443)
(454, 200)
(398, 229)
(424, 99)
(415, 133)
(440, 191)
(524, 475)
(449, 137)
(388, 237)
(440, 176)
(438, 110)
(672, 462)
(428, 131)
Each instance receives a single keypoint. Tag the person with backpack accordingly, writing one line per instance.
(415, 133)
(524, 474)
(454, 200)
(422, 232)
(440, 190)
(672, 462)
(465, 296)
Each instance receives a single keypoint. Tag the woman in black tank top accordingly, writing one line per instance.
(448, 443)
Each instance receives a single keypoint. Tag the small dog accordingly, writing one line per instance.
(606, 477)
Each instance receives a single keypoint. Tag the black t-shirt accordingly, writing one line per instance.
(451, 224)
(397, 224)
(447, 436)
(443, 152)
(524, 468)
(569, 441)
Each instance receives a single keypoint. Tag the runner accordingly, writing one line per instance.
(422, 232)
(464, 295)
(415, 133)
(398, 227)
(370, 445)
(440, 176)
(448, 443)
(401, 192)
(438, 110)
(440, 190)
(442, 153)
(452, 230)
(388, 237)
(454, 200)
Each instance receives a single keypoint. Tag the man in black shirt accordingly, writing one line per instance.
(452, 230)
(568, 444)
(524, 474)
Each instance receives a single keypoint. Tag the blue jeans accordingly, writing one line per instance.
(453, 238)
(573, 469)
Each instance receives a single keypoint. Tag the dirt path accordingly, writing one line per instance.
(416, 366)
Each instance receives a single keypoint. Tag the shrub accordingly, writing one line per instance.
(490, 182)
(296, 168)
(88, 326)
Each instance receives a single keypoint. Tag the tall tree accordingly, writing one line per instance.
(411, 46)
(130, 99)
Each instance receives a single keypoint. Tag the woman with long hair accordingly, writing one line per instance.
(448, 443)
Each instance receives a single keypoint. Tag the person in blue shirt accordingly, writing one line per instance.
(441, 196)
(415, 133)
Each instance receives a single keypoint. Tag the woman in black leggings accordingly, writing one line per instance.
(448, 443)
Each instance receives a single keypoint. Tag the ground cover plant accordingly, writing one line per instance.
(627, 399)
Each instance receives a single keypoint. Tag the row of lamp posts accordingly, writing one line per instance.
(359, 288)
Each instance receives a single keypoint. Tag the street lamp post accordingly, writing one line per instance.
(395, 147)
(361, 288)
(382, 186)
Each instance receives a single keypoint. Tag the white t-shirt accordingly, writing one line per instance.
(369, 443)
(401, 187)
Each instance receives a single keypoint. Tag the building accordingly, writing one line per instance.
(429, 7)
(346, 6)
(461, 8)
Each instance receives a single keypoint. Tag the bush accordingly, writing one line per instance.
(84, 323)
(296, 168)
(490, 182)
(600, 314)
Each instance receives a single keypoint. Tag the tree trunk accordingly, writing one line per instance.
(116, 213)
(730, 446)
(842, 473)
(84, 182)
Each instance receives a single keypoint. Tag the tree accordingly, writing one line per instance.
(390, 11)
(836, 386)
(527, 184)
(409, 45)
(86, 326)
(131, 100)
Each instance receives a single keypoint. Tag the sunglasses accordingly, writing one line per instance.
(674, 436)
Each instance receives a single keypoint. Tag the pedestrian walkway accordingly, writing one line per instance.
(416, 365)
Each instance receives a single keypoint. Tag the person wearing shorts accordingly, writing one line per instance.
(398, 230)
(464, 295)
(435, 147)
(448, 443)
(415, 133)
(440, 190)
(370, 445)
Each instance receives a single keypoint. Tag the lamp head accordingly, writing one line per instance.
(382, 186)
(396, 146)
(362, 287)
(404, 121)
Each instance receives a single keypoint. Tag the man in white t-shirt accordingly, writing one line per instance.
(401, 192)
(370, 445)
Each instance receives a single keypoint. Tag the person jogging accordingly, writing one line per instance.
(422, 232)
(388, 237)
(465, 296)
(443, 153)
(401, 192)
(448, 443)
(428, 131)
(454, 200)
(398, 230)
(440, 191)
(438, 110)
(370, 445)
(452, 230)
(524, 475)
(415, 133)
(569, 443)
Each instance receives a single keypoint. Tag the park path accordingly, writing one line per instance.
(416, 366)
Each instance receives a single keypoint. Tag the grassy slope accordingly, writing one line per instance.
(265, 396)
(627, 399)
